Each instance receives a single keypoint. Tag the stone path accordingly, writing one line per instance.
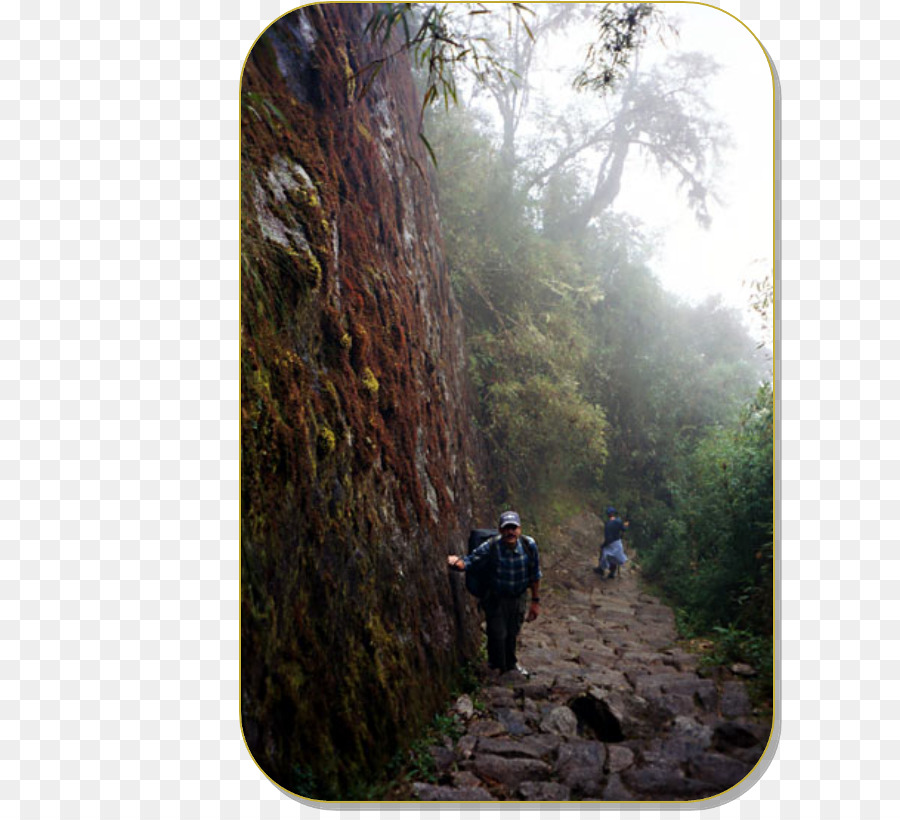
(612, 709)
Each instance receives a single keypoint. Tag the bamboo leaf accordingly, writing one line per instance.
(428, 148)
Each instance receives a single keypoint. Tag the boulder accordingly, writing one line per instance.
(664, 781)
(449, 794)
(464, 707)
(443, 757)
(534, 746)
(718, 770)
(546, 792)
(616, 791)
(465, 746)
(514, 721)
(618, 758)
(690, 727)
(499, 696)
(561, 721)
(580, 765)
(466, 780)
(634, 716)
(486, 728)
(534, 690)
(609, 678)
(734, 701)
(730, 735)
(676, 704)
(509, 771)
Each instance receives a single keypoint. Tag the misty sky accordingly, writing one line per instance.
(691, 261)
(697, 262)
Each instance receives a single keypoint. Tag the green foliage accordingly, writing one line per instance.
(416, 763)
(593, 383)
(622, 29)
(591, 380)
(546, 436)
(714, 557)
(440, 41)
(731, 645)
(469, 677)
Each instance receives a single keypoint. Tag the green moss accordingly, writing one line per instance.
(349, 73)
(326, 441)
(295, 675)
(316, 268)
(312, 199)
(370, 382)
(328, 693)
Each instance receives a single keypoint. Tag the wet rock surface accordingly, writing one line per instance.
(612, 709)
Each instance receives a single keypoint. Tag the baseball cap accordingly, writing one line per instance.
(509, 517)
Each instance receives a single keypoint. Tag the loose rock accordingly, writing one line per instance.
(618, 758)
(561, 721)
(719, 770)
(580, 766)
(534, 746)
(464, 707)
(449, 794)
(549, 792)
(735, 701)
(509, 771)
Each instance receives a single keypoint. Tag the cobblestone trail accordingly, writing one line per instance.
(612, 710)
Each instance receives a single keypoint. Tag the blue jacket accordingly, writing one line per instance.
(612, 531)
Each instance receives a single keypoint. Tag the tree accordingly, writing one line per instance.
(714, 556)
(582, 364)
(517, 50)
(443, 38)
(661, 114)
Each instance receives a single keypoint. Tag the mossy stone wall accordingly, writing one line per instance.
(357, 452)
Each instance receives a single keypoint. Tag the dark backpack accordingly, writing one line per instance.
(479, 578)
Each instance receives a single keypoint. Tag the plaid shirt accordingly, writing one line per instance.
(514, 572)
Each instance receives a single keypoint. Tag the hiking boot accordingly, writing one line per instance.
(612, 574)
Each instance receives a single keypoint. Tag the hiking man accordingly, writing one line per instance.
(612, 553)
(516, 569)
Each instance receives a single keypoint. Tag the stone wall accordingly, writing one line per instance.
(357, 459)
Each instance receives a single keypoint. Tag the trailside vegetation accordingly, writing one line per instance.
(593, 383)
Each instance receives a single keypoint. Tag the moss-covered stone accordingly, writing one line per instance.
(369, 381)
(351, 631)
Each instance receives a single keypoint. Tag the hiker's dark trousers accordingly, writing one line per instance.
(504, 617)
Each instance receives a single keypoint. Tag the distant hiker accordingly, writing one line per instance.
(612, 553)
(514, 565)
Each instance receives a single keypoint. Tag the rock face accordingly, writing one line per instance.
(356, 454)
(612, 709)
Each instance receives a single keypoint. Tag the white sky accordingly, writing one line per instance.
(693, 262)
